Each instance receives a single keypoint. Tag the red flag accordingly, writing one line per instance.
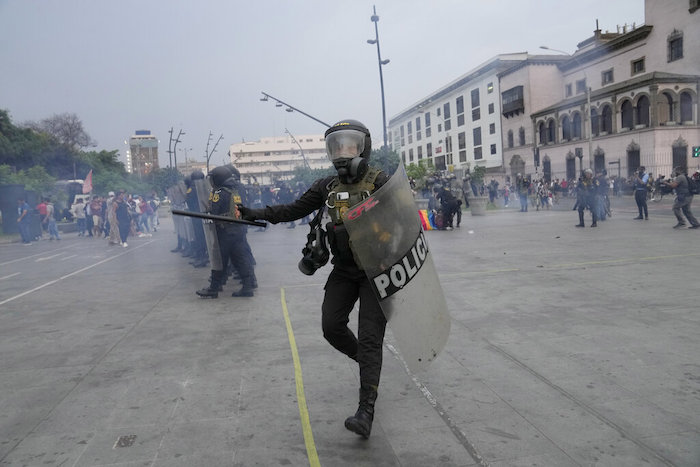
(87, 186)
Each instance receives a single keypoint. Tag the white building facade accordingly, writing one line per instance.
(275, 158)
(458, 126)
(522, 113)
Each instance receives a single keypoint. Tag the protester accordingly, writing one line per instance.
(683, 200)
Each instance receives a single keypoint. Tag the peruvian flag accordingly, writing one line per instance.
(87, 186)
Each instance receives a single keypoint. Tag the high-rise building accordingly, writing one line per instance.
(143, 153)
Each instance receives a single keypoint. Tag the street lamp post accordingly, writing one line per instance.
(589, 125)
(279, 103)
(306, 163)
(375, 19)
(177, 140)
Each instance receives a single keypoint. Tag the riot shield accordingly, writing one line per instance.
(187, 221)
(179, 223)
(203, 188)
(389, 244)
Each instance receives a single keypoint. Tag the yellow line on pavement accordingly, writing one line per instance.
(301, 398)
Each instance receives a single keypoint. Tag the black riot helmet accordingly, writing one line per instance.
(218, 175)
(197, 175)
(234, 172)
(349, 144)
(188, 181)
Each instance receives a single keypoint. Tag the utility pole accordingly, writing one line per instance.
(170, 142)
(177, 140)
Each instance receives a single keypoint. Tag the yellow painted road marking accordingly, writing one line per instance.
(301, 398)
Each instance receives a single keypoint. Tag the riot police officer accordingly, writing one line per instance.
(586, 192)
(640, 179)
(348, 144)
(199, 252)
(227, 194)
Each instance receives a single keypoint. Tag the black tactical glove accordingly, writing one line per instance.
(248, 214)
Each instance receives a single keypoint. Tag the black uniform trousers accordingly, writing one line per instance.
(234, 246)
(640, 197)
(343, 289)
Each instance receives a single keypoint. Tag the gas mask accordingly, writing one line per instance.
(348, 145)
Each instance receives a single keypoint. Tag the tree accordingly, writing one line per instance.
(35, 178)
(67, 129)
(162, 179)
(308, 176)
(386, 159)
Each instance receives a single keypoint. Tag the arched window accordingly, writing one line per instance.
(551, 131)
(570, 166)
(542, 132)
(606, 120)
(521, 136)
(643, 111)
(547, 168)
(627, 116)
(576, 126)
(595, 123)
(510, 138)
(665, 108)
(565, 128)
(686, 107)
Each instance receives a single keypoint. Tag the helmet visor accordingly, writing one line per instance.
(345, 144)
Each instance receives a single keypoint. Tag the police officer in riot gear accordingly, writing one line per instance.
(227, 193)
(348, 144)
(200, 246)
(586, 192)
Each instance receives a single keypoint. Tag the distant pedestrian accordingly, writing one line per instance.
(123, 218)
(640, 180)
(23, 219)
(683, 199)
(51, 220)
(78, 211)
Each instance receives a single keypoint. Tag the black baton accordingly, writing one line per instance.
(214, 217)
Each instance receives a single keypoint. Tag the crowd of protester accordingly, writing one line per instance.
(115, 217)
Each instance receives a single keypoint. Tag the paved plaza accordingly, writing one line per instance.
(568, 347)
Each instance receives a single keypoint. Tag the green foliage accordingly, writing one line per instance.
(478, 174)
(308, 176)
(34, 178)
(385, 159)
(161, 179)
(416, 171)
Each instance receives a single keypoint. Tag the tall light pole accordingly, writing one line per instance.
(177, 140)
(375, 19)
(589, 117)
(306, 163)
(279, 103)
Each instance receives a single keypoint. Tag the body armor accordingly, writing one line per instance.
(341, 197)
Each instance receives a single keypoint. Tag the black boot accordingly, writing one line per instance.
(361, 422)
(580, 220)
(214, 286)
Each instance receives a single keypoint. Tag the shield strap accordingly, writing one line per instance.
(356, 192)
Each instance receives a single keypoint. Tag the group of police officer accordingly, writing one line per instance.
(348, 144)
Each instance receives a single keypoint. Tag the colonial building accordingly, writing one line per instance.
(530, 113)
(275, 158)
(641, 84)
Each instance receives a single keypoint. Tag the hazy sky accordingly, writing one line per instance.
(201, 65)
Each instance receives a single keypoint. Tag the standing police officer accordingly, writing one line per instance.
(586, 192)
(348, 144)
(227, 194)
(641, 179)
